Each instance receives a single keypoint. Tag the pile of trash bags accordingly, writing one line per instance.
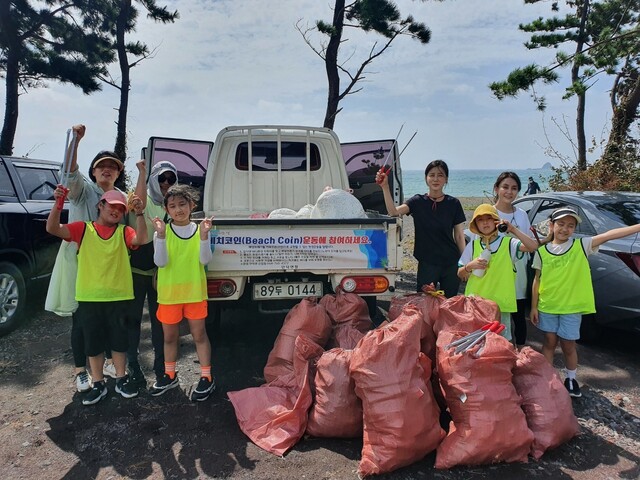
(331, 375)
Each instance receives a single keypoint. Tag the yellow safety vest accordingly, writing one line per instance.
(499, 281)
(182, 279)
(565, 281)
(104, 273)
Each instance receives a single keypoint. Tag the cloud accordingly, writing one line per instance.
(228, 62)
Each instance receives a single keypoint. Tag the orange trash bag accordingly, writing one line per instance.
(546, 403)
(274, 416)
(428, 304)
(308, 318)
(488, 425)
(401, 417)
(464, 314)
(350, 317)
(336, 411)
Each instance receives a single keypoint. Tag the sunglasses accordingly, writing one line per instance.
(170, 179)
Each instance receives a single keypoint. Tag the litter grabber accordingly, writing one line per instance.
(387, 168)
(66, 165)
(473, 335)
(464, 347)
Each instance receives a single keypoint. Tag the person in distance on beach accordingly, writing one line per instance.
(439, 228)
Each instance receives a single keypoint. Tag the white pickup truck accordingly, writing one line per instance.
(250, 171)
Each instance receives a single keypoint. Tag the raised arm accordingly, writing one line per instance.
(527, 244)
(141, 237)
(141, 184)
(383, 181)
(54, 227)
(614, 234)
(79, 131)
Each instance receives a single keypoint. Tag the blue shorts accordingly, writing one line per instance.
(566, 326)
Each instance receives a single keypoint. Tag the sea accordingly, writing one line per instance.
(472, 183)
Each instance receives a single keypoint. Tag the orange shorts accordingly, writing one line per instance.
(172, 314)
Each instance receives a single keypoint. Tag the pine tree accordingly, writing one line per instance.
(41, 42)
(379, 16)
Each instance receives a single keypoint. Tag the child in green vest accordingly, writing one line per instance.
(181, 250)
(104, 284)
(562, 290)
(488, 263)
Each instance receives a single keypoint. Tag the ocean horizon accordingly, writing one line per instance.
(472, 183)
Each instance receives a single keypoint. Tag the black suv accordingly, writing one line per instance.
(27, 251)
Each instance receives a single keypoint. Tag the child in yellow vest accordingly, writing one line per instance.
(181, 251)
(562, 290)
(104, 284)
(488, 262)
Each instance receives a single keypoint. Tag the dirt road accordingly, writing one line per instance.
(45, 432)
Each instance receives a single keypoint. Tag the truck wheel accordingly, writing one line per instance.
(212, 324)
(374, 313)
(13, 296)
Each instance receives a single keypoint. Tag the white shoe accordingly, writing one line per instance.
(109, 370)
(83, 381)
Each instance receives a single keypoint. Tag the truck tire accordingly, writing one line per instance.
(374, 312)
(213, 319)
(13, 297)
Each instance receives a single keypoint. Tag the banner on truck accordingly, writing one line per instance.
(270, 249)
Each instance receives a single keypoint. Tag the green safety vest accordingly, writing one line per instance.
(565, 282)
(104, 273)
(182, 279)
(499, 281)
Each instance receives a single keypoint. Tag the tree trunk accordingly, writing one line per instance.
(125, 84)
(331, 65)
(10, 122)
(624, 114)
(575, 77)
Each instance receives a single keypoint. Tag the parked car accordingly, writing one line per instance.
(27, 251)
(615, 268)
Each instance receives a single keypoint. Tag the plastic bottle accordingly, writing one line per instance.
(485, 255)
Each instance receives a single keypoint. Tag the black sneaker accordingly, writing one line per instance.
(136, 377)
(203, 389)
(572, 387)
(125, 388)
(164, 384)
(97, 393)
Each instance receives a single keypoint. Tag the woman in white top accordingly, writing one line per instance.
(506, 190)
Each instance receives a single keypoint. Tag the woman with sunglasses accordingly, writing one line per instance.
(105, 170)
(163, 175)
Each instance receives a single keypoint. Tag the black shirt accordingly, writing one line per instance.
(434, 222)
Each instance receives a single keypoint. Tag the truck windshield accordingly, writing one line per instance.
(265, 156)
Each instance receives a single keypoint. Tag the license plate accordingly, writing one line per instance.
(263, 291)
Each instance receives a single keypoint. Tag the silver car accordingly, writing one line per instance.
(615, 269)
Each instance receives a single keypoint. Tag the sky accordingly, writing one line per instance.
(241, 62)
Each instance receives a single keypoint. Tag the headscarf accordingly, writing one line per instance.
(153, 187)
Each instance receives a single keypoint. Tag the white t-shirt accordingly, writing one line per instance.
(467, 254)
(560, 248)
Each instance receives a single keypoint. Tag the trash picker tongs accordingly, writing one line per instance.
(387, 168)
(66, 166)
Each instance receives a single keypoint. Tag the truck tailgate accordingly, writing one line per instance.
(290, 245)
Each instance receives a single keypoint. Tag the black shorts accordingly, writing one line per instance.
(103, 324)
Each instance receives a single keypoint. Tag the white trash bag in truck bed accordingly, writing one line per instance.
(336, 203)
